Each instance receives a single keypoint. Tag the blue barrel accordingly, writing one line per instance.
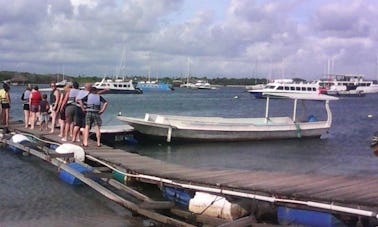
(179, 196)
(291, 216)
(68, 178)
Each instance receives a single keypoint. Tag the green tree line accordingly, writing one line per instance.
(34, 78)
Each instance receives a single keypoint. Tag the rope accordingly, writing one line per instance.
(217, 198)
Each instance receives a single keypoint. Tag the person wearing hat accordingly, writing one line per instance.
(95, 105)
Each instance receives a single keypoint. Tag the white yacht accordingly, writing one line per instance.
(286, 86)
(355, 83)
(117, 86)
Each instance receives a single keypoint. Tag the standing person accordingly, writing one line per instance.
(34, 104)
(25, 99)
(54, 103)
(96, 105)
(5, 104)
(44, 112)
(62, 109)
(70, 99)
(79, 119)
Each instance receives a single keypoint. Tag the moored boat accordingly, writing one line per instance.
(348, 82)
(153, 86)
(286, 86)
(117, 86)
(191, 128)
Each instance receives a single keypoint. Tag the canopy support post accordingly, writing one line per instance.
(169, 135)
(295, 110)
(267, 109)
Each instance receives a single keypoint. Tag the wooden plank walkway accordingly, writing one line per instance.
(350, 191)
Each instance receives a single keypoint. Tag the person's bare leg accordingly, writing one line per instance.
(26, 118)
(6, 117)
(75, 134)
(98, 136)
(62, 124)
(32, 120)
(53, 121)
(86, 135)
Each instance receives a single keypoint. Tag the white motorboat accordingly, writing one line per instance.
(175, 128)
(336, 83)
(117, 86)
(202, 84)
(286, 86)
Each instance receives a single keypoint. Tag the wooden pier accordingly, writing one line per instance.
(355, 196)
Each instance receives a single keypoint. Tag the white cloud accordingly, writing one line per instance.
(88, 36)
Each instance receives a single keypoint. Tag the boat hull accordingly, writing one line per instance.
(119, 91)
(154, 87)
(230, 136)
(286, 132)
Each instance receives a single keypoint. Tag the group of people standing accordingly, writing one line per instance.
(71, 109)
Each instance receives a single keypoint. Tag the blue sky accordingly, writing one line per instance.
(231, 38)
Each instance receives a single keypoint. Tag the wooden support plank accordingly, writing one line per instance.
(198, 218)
(315, 186)
(245, 221)
(338, 190)
(157, 205)
(129, 190)
(101, 168)
(57, 155)
(98, 175)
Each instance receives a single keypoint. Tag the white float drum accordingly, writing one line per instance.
(68, 148)
(19, 139)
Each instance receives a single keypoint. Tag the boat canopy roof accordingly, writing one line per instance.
(318, 97)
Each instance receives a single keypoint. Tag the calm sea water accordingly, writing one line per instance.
(32, 194)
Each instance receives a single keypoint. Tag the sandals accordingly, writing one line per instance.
(84, 145)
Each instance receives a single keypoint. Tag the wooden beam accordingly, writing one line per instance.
(157, 204)
(98, 175)
(245, 221)
(198, 217)
(57, 155)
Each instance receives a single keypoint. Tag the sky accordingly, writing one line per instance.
(212, 38)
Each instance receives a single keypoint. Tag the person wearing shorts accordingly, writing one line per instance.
(25, 99)
(95, 106)
(5, 104)
(34, 104)
(44, 112)
(70, 100)
(54, 103)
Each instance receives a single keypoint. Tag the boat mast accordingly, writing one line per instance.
(376, 66)
(187, 78)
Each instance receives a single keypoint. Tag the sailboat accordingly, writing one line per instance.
(188, 84)
(153, 85)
